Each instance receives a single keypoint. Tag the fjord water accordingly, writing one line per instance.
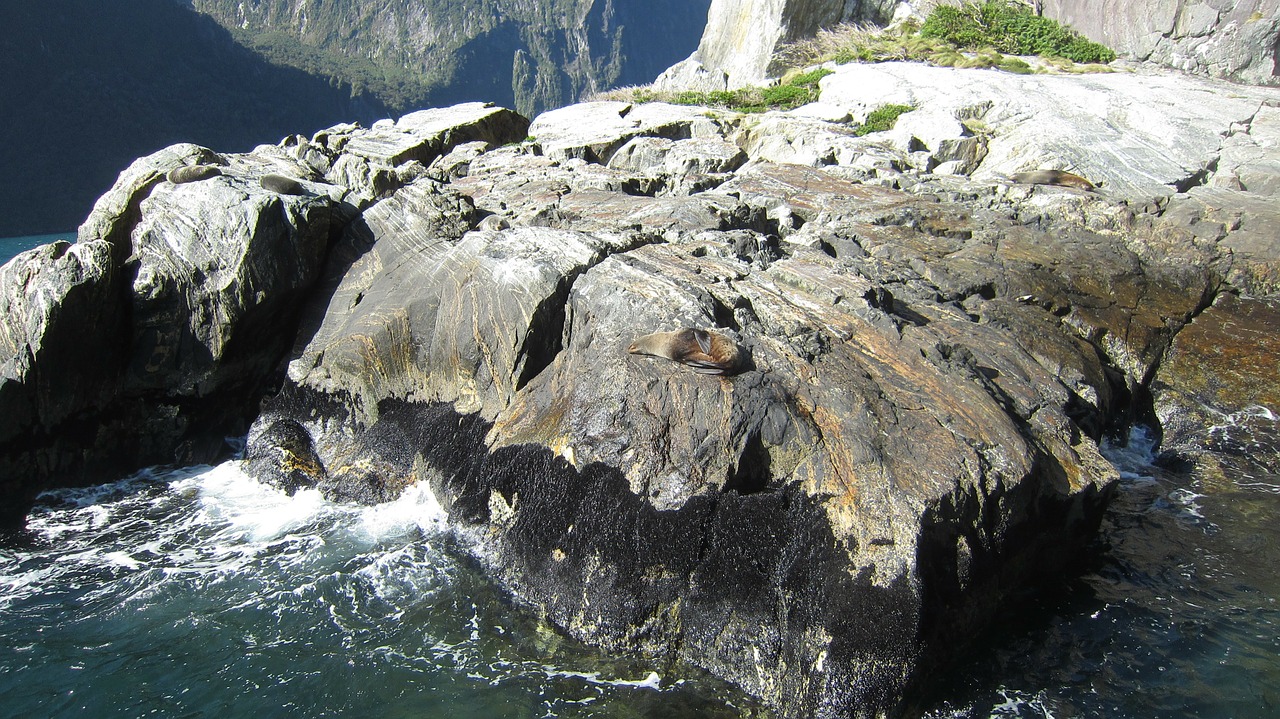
(1178, 617)
(199, 592)
(10, 246)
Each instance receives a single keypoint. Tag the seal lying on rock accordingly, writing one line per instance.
(1053, 177)
(192, 173)
(706, 352)
(281, 184)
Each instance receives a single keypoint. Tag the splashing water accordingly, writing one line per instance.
(200, 592)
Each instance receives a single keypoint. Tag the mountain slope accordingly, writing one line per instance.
(528, 54)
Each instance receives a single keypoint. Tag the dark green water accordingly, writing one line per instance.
(10, 246)
(1178, 618)
(199, 593)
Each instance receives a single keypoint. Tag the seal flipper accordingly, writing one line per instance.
(705, 364)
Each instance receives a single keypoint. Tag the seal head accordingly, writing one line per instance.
(706, 352)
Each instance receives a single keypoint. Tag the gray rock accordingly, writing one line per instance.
(933, 357)
(153, 338)
(741, 36)
(58, 308)
(1236, 40)
(594, 131)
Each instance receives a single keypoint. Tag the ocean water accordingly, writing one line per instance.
(198, 592)
(10, 246)
(1178, 617)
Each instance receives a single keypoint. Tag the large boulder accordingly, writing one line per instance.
(153, 337)
(933, 352)
(741, 36)
(931, 362)
(1238, 41)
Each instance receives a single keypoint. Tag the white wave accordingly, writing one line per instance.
(416, 509)
(262, 513)
(650, 681)
(251, 510)
(1133, 460)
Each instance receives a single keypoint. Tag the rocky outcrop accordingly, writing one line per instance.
(1238, 41)
(934, 353)
(931, 352)
(152, 338)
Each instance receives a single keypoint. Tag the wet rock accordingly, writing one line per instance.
(1217, 388)
(153, 337)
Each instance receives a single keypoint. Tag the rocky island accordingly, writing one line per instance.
(931, 351)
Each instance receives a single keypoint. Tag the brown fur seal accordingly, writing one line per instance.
(706, 352)
(281, 184)
(1053, 177)
(192, 173)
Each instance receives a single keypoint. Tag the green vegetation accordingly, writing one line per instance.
(975, 35)
(986, 34)
(799, 90)
(881, 119)
(400, 88)
(1010, 28)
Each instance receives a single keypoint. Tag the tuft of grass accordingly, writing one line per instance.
(800, 89)
(882, 118)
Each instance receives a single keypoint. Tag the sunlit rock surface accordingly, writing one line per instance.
(934, 351)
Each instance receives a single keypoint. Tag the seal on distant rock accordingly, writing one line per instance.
(281, 184)
(192, 173)
(706, 352)
(1053, 177)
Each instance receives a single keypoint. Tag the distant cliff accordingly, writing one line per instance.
(530, 55)
(1238, 41)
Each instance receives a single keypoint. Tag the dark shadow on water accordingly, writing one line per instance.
(90, 86)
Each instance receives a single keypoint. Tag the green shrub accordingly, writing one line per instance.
(787, 96)
(799, 90)
(809, 79)
(1010, 28)
(1014, 65)
(881, 119)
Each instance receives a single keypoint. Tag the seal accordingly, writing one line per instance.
(281, 184)
(1053, 177)
(192, 173)
(706, 352)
